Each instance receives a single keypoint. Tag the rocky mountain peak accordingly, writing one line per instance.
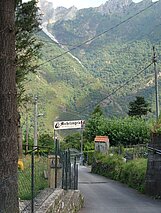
(114, 6)
(62, 13)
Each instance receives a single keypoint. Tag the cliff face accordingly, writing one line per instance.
(60, 13)
(114, 6)
(109, 8)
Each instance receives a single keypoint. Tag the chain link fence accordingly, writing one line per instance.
(45, 169)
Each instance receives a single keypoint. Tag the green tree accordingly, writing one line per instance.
(46, 140)
(93, 124)
(27, 46)
(27, 21)
(126, 131)
(72, 141)
(97, 111)
(139, 107)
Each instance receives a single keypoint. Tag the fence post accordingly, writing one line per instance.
(74, 173)
(66, 170)
(56, 161)
(32, 182)
(76, 176)
(63, 168)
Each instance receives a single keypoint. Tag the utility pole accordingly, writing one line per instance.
(35, 121)
(156, 84)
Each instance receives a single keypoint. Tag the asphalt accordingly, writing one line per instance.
(103, 195)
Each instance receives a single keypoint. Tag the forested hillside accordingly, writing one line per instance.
(121, 52)
(61, 85)
(68, 89)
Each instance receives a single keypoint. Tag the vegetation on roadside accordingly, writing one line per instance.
(131, 173)
(24, 177)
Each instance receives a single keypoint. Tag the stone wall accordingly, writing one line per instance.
(153, 176)
(61, 201)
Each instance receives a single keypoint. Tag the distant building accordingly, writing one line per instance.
(102, 144)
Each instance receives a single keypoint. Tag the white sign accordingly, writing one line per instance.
(78, 124)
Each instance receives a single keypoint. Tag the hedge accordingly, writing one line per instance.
(132, 172)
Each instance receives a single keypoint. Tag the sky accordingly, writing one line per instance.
(79, 3)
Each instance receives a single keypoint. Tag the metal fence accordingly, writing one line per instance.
(131, 151)
(69, 172)
(43, 169)
(32, 178)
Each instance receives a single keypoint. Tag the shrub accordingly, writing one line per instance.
(132, 173)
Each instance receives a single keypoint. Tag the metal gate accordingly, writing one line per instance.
(69, 171)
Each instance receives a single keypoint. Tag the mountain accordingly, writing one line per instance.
(60, 13)
(114, 7)
(112, 52)
(61, 85)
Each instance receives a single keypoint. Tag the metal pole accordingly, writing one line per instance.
(156, 84)
(32, 181)
(63, 170)
(56, 161)
(27, 133)
(81, 160)
(66, 170)
(76, 176)
(54, 141)
(35, 122)
(74, 173)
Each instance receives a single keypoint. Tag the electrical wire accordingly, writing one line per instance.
(100, 34)
(72, 45)
(118, 88)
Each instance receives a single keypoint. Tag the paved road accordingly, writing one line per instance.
(107, 196)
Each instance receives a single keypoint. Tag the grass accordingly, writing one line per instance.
(24, 177)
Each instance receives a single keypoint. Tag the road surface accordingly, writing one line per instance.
(107, 196)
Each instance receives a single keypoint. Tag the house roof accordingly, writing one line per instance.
(104, 139)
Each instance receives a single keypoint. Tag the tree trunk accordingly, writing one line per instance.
(8, 110)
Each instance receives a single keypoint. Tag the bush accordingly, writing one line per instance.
(109, 166)
(132, 173)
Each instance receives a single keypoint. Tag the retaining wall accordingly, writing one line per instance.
(61, 201)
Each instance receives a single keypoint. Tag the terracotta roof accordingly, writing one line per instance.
(101, 139)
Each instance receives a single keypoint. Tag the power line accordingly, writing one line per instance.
(120, 87)
(100, 34)
(55, 42)
(72, 45)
